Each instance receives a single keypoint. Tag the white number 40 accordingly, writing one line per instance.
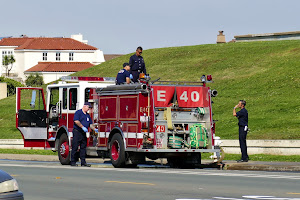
(194, 96)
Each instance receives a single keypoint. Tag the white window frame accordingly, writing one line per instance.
(71, 56)
(57, 56)
(6, 53)
(45, 55)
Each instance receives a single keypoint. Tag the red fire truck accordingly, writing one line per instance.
(159, 119)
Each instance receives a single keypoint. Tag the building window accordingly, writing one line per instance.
(71, 56)
(7, 53)
(45, 56)
(57, 56)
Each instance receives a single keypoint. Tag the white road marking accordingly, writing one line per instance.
(166, 171)
(227, 198)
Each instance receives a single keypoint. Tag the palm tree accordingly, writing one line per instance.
(8, 60)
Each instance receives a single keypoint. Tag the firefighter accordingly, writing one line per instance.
(82, 121)
(137, 64)
(242, 116)
(123, 76)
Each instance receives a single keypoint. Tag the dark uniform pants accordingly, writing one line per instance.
(243, 144)
(79, 139)
(135, 75)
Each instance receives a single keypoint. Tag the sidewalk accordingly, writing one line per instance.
(227, 164)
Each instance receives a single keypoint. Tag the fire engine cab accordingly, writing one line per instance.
(159, 119)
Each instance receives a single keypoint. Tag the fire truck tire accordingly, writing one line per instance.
(117, 151)
(64, 153)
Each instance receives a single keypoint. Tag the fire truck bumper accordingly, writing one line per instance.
(178, 150)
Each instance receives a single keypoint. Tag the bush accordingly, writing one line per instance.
(34, 80)
(11, 85)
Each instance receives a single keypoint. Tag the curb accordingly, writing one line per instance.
(264, 166)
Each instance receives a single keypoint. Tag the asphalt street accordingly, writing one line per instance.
(50, 180)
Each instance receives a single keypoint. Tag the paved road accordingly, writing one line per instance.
(50, 180)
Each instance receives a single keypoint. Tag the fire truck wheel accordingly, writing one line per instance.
(64, 153)
(117, 151)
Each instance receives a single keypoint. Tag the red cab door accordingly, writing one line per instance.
(31, 115)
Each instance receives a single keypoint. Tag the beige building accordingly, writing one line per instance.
(293, 35)
(3, 90)
(31, 51)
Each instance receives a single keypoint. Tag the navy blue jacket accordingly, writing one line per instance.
(121, 77)
(137, 63)
(242, 115)
(84, 119)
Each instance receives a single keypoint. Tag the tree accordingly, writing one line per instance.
(34, 80)
(8, 60)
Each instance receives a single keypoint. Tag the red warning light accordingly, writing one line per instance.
(209, 78)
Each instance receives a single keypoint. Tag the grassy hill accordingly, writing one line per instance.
(265, 74)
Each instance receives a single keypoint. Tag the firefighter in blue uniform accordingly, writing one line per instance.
(123, 75)
(137, 64)
(82, 121)
(242, 116)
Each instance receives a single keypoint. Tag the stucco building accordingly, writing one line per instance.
(293, 35)
(31, 53)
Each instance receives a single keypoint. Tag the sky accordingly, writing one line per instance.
(120, 26)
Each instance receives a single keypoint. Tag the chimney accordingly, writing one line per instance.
(79, 37)
(221, 37)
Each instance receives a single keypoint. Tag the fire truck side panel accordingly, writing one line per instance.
(132, 130)
(70, 121)
(128, 108)
(108, 108)
(146, 117)
(102, 135)
(123, 110)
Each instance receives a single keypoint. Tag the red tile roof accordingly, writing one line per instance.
(46, 43)
(60, 67)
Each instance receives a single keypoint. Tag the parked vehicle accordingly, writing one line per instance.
(160, 119)
(9, 188)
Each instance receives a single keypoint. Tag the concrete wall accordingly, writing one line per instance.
(273, 147)
(3, 90)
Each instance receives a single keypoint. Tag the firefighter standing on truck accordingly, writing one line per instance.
(82, 121)
(137, 64)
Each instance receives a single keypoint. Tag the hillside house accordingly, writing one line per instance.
(51, 57)
(293, 35)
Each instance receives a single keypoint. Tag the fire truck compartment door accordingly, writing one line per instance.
(31, 114)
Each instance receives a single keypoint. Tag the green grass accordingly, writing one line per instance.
(8, 128)
(27, 151)
(265, 74)
(258, 157)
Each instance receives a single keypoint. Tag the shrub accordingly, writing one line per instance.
(34, 80)
(11, 85)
